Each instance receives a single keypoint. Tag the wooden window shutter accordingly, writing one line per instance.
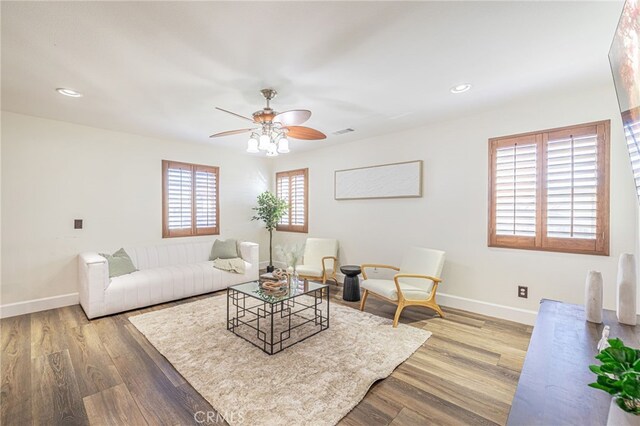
(206, 200)
(190, 199)
(283, 192)
(576, 193)
(292, 186)
(514, 196)
(550, 190)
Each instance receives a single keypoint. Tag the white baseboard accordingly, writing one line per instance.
(523, 316)
(37, 305)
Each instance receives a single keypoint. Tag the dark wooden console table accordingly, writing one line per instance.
(552, 389)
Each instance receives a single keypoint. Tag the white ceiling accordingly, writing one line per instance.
(159, 68)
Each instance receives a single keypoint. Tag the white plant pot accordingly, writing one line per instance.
(619, 417)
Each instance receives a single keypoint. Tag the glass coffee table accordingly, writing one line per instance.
(274, 321)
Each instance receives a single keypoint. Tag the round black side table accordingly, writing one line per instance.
(351, 290)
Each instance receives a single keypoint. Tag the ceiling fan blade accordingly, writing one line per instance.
(230, 132)
(293, 117)
(237, 115)
(306, 133)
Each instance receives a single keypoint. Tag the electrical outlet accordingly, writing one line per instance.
(523, 291)
(77, 224)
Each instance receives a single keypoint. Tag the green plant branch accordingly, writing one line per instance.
(270, 210)
(619, 375)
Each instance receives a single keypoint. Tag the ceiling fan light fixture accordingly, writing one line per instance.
(272, 129)
(272, 150)
(460, 88)
(283, 146)
(252, 145)
(265, 140)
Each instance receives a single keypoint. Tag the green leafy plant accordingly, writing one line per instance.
(619, 375)
(270, 210)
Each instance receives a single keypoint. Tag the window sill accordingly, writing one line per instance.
(199, 234)
(552, 249)
(298, 230)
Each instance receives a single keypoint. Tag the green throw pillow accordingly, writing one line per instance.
(119, 263)
(224, 249)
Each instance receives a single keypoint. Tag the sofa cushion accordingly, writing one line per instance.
(224, 249)
(119, 263)
(169, 254)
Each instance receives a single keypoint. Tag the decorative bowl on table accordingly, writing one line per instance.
(277, 284)
(273, 285)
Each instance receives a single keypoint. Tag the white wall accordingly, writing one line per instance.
(54, 172)
(1, 116)
(452, 214)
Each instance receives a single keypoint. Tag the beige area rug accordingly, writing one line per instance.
(315, 382)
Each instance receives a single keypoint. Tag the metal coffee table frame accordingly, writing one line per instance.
(270, 309)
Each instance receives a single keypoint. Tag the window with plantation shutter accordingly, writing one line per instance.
(292, 186)
(572, 185)
(516, 182)
(190, 199)
(550, 190)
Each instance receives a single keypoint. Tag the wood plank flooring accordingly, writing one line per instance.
(58, 367)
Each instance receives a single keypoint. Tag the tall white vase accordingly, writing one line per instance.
(593, 297)
(626, 299)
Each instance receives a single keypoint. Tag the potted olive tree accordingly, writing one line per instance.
(619, 375)
(270, 210)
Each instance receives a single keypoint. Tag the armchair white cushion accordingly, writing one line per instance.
(421, 261)
(414, 284)
(320, 259)
(309, 271)
(387, 289)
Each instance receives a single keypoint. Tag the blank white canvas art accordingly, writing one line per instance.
(398, 180)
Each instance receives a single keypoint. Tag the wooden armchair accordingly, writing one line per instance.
(320, 261)
(414, 285)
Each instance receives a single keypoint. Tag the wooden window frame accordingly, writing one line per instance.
(288, 174)
(194, 231)
(541, 242)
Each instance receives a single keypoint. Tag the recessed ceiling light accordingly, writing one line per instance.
(460, 88)
(69, 92)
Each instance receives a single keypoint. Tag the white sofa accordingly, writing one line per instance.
(165, 272)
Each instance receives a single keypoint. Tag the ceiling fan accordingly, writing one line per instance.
(274, 128)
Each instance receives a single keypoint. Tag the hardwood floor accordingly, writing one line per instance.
(58, 367)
